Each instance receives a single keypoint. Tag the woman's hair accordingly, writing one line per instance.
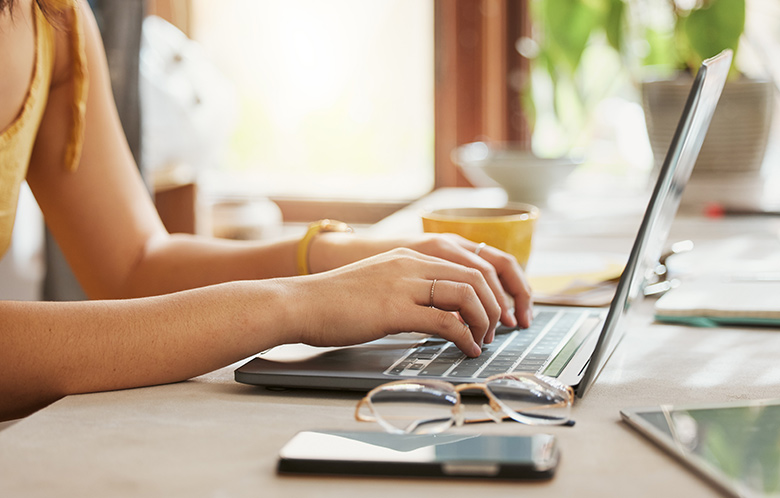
(48, 7)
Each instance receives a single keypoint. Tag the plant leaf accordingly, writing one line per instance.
(713, 28)
(614, 24)
(568, 26)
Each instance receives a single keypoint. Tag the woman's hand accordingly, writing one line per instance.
(395, 292)
(501, 271)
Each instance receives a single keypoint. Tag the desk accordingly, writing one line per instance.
(213, 437)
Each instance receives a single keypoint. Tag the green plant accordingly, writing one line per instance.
(561, 85)
(697, 32)
(583, 51)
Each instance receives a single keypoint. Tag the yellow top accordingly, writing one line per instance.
(17, 141)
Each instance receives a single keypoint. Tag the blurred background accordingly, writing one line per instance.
(251, 117)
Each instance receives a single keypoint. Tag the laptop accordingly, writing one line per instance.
(568, 343)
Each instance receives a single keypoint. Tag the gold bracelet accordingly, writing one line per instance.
(316, 228)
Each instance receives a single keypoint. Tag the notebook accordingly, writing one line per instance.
(731, 281)
(571, 344)
(716, 302)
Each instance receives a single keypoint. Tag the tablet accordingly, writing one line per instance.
(734, 445)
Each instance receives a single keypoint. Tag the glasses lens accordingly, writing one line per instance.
(532, 399)
(414, 407)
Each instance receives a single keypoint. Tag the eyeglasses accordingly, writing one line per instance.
(432, 406)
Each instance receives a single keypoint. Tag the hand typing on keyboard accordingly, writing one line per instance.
(514, 350)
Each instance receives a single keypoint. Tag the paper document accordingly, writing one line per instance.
(575, 279)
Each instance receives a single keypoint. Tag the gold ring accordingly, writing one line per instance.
(480, 246)
(433, 286)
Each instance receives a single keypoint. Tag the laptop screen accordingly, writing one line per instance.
(662, 207)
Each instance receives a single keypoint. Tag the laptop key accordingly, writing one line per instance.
(500, 362)
(526, 368)
(468, 367)
(397, 370)
(494, 370)
(435, 369)
(464, 372)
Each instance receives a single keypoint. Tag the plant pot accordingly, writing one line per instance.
(733, 151)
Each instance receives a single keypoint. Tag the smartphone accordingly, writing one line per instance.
(430, 455)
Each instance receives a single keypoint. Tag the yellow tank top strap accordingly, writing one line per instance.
(81, 77)
(80, 85)
(72, 8)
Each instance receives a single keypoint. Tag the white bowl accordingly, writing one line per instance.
(524, 176)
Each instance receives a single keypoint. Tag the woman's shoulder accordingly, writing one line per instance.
(17, 30)
(24, 27)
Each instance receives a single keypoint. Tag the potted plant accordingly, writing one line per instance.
(660, 45)
(740, 128)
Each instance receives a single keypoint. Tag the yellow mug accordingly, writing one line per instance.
(509, 228)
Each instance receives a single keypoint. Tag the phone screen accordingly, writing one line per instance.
(429, 455)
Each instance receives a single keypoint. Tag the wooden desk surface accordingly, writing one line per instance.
(213, 437)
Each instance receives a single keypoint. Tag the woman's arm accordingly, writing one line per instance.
(102, 215)
(48, 350)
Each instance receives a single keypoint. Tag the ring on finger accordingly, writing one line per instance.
(433, 287)
(480, 246)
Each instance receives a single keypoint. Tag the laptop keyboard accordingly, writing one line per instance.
(512, 350)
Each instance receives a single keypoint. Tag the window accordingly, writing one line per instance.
(449, 69)
(335, 98)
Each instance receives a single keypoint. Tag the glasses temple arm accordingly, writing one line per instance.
(364, 418)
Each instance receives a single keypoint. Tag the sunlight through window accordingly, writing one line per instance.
(335, 98)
